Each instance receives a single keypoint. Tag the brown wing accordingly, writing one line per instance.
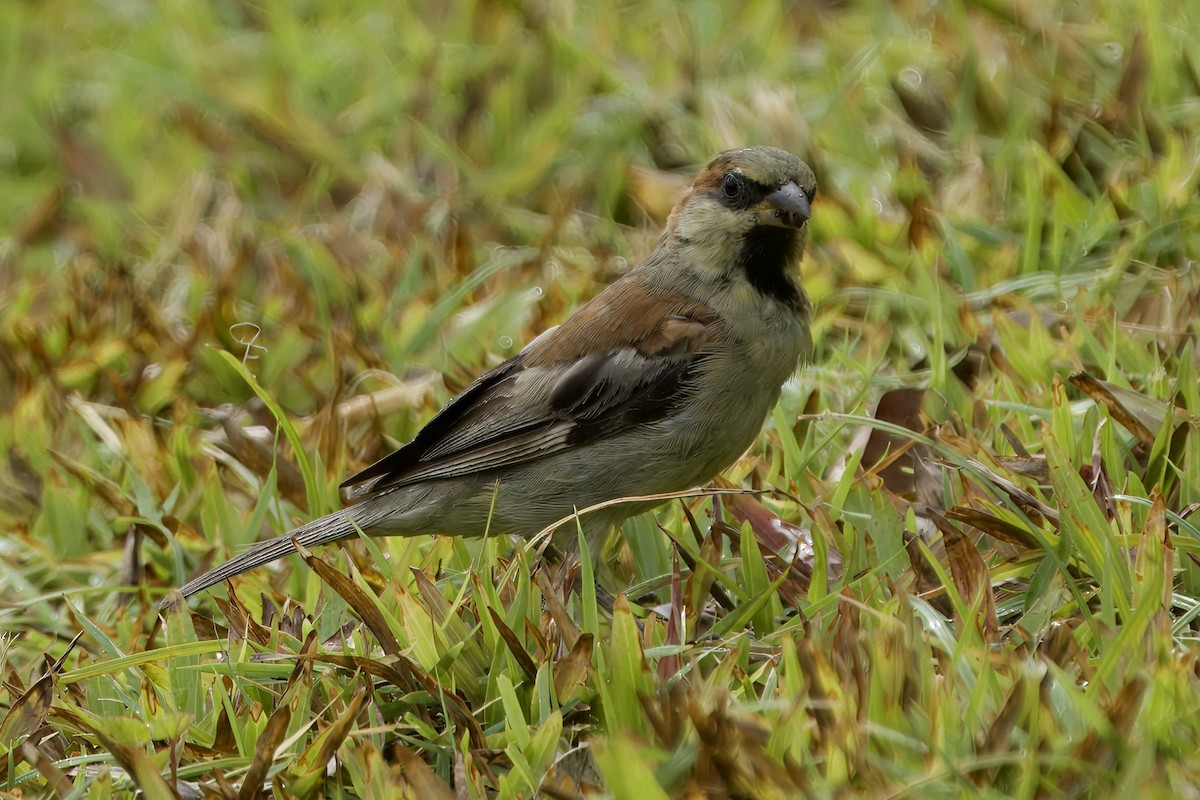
(620, 361)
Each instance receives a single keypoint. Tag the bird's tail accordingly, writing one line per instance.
(329, 528)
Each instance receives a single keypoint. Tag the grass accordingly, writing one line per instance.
(249, 248)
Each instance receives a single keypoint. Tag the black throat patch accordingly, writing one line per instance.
(765, 254)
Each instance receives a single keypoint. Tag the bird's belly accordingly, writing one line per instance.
(683, 450)
(691, 446)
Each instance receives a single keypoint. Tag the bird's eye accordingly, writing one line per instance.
(731, 186)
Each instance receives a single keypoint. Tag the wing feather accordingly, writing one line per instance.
(614, 365)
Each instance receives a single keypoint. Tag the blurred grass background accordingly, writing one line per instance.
(977, 574)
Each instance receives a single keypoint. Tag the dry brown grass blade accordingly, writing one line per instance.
(1060, 647)
(669, 664)
(995, 527)
(264, 752)
(224, 741)
(552, 603)
(225, 789)
(573, 776)
(541, 644)
(999, 734)
(43, 220)
(56, 779)
(848, 656)
(1025, 465)
(815, 664)
(240, 622)
(1018, 495)
(276, 728)
(396, 672)
(312, 762)
(787, 548)
(417, 775)
(663, 713)
(524, 660)
(772, 531)
(887, 455)
(355, 597)
(733, 761)
(29, 711)
(971, 575)
(925, 579)
(1102, 393)
(571, 672)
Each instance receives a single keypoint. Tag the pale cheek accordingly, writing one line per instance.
(709, 234)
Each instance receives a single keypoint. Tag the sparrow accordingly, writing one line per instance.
(655, 385)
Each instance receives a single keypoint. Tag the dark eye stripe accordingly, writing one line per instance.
(751, 194)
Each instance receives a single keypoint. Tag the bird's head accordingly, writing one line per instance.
(745, 216)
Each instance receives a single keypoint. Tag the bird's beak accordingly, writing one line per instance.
(787, 207)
